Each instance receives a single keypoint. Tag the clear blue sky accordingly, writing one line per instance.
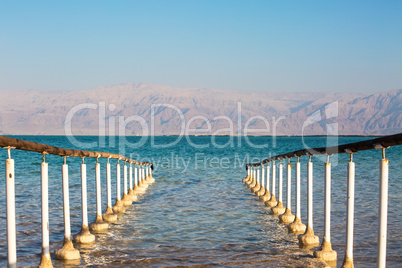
(243, 45)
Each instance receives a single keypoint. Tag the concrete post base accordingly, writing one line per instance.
(266, 196)
(278, 209)
(85, 236)
(256, 188)
(272, 202)
(126, 201)
(45, 261)
(261, 191)
(296, 227)
(67, 252)
(308, 239)
(118, 207)
(138, 190)
(326, 253)
(287, 217)
(133, 197)
(347, 262)
(109, 216)
(98, 225)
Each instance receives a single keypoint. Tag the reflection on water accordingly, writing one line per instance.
(201, 216)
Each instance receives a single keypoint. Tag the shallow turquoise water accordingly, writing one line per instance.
(198, 211)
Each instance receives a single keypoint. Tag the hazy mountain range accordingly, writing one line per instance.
(204, 111)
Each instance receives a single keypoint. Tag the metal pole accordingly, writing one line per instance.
(118, 182)
(298, 212)
(109, 185)
(310, 194)
(66, 203)
(130, 176)
(262, 176)
(383, 213)
(280, 181)
(268, 174)
(84, 194)
(10, 201)
(45, 259)
(348, 261)
(135, 175)
(125, 178)
(98, 190)
(289, 187)
(273, 177)
(327, 204)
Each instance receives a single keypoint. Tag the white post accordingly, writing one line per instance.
(66, 202)
(98, 190)
(383, 213)
(289, 187)
(298, 212)
(143, 174)
(140, 174)
(67, 252)
(135, 176)
(348, 261)
(280, 181)
(327, 204)
(125, 178)
(130, 176)
(147, 171)
(109, 185)
(45, 212)
(10, 200)
(255, 173)
(310, 194)
(262, 176)
(268, 174)
(273, 177)
(118, 182)
(84, 194)
(258, 176)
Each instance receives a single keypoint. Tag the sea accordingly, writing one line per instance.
(198, 213)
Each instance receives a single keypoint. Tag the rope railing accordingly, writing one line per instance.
(142, 179)
(378, 143)
(41, 148)
(307, 239)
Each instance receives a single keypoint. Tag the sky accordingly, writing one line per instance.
(323, 46)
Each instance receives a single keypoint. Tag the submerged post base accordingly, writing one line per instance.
(296, 227)
(133, 197)
(85, 236)
(126, 201)
(45, 261)
(272, 202)
(109, 216)
(261, 191)
(245, 179)
(99, 225)
(287, 217)
(137, 190)
(347, 262)
(256, 188)
(67, 252)
(118, 207)
(326, 253)
(278, 209)
(308, 239)
(266, 196)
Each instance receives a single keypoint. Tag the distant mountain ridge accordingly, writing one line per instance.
(207, 111)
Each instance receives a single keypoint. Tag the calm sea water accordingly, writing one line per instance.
(198, 213)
